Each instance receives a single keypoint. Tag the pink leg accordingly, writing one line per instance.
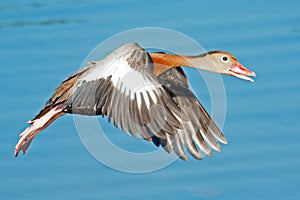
(37, 125)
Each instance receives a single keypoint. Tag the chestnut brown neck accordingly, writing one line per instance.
(163, 62)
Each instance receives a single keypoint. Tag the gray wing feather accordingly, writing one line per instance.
(109, 95)
(199, 132)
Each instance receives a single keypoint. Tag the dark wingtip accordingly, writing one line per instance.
(183, 157)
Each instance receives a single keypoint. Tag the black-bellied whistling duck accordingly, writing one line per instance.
(146, 94)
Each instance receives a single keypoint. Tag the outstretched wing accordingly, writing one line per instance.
(199, 133)
(123, 87)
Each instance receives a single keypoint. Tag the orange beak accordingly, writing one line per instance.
(238, 70)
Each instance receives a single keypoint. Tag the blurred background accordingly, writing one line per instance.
(42, 42)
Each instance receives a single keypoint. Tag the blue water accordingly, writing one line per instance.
(42, 42)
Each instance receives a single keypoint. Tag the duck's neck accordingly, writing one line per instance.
(163, 62)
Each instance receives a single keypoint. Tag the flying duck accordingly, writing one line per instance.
(145, 94)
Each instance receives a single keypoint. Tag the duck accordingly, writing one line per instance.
(144, 94)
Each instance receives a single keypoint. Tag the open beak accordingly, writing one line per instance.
(238, 70)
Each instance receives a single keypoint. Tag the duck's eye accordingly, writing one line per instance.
(225, 58)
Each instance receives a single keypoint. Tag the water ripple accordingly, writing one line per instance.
(47, 22)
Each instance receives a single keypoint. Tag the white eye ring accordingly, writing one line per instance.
(225, 59)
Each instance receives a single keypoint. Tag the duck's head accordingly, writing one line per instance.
(226, 63)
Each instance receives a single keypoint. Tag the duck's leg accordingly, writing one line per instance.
(37, 125)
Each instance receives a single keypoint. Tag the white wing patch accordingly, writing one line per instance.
(125, 78)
